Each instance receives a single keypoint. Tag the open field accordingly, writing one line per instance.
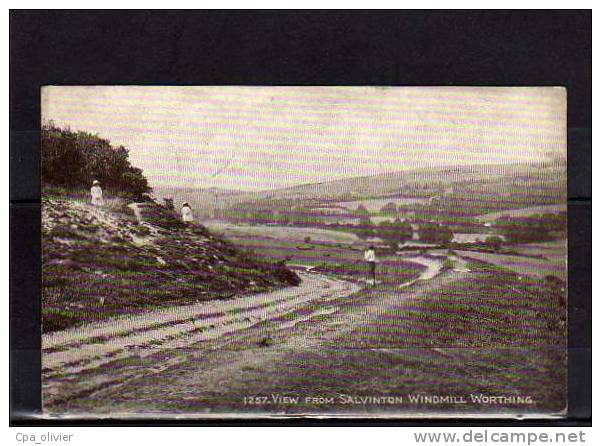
(536, 260)
(290, 234)
(331, 252)
(555, 251)
(524, 212)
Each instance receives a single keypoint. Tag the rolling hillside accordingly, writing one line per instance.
(465, 190)
(102, 262)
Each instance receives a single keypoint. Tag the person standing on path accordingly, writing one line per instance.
(187, 216)
(370, 258)
(96, 192)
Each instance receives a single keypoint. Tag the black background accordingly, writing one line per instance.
(481, 48)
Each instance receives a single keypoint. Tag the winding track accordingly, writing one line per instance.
(73, 351)
(318, 339)
(88, 360)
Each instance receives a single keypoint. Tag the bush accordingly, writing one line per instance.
(365, 228)
(494, 242)
(395, 232)
(73, 159)
(534, 228)
(448, 264)
(435, 233)
(168, 204)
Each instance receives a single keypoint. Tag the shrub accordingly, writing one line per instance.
(168, 203)
(394, 232)
(534, 228)
(365, 228)
(494, 241)
(435, 233)
(73, 159)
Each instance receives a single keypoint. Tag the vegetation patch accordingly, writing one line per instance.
(89, 275)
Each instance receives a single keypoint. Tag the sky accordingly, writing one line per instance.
(257, 138)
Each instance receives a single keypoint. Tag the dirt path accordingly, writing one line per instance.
(73, 351)
(98, 362)
(86, 347)
(434, 266)
(303, 355)
(81, 350)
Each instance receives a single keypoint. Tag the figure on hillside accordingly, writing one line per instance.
(370, 258)
(96, 192)
(187, 216)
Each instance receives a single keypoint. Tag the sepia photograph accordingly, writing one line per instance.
(252, 252)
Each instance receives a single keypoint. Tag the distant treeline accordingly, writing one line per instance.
(74, 159)
(533, 228)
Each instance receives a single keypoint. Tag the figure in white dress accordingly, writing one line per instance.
(187, 216)
(370, 257)
(96, 192)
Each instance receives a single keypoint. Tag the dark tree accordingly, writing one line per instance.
(435, 233)
(365, 228)
(395, 232)
(534, 228)
(73, 159)
(169, 204)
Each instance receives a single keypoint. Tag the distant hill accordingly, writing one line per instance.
(473, 189)
(486, 187)
(202, 200)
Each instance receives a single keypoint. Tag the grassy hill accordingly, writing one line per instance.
(130, 255)
(463, 190)
(103, 262)
(450, 193)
